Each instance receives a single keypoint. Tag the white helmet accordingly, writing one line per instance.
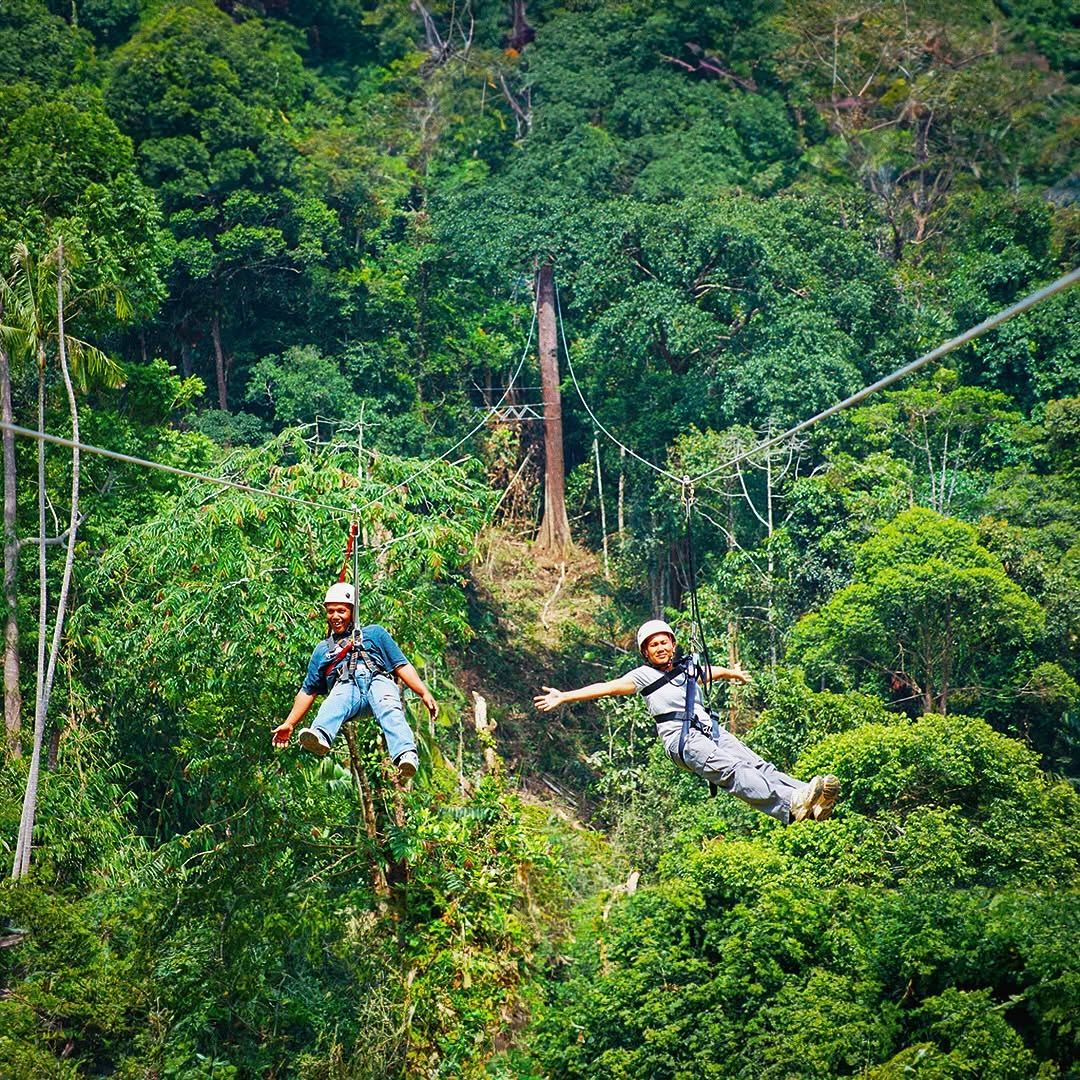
(653, 626)
(341, 592)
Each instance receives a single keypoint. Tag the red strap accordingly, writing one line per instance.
(348, 551)
(335, 660)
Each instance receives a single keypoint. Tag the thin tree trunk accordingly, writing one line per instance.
(603, 510)
(12, 697)
(219, 364)
(21, 862)
(26, 830)
(485, 732)
(622, 496)
(378, 878)
(554, 534)
(43, 594)
(26, 821)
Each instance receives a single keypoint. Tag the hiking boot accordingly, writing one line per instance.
(314, 740)
(830, 792)
(407, 764)
(806, 798)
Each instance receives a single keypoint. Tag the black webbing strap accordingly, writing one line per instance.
(677, 669)
(354, 653)
(688, 714)
(688, 717)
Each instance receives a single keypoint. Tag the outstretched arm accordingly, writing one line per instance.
(735, 673)
(282, 733)
(411, 678)
(552, 698)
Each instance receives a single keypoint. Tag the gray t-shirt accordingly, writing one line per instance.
(671, 697)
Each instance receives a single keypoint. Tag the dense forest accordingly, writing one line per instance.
(538, 294)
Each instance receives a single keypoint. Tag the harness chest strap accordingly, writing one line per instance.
(354, 652)
(688, 667)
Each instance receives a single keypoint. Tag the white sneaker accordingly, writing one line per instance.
(830, 792)
(407, 764)
(312, 739)
(806, 798)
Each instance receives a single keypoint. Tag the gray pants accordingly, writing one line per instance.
(732, 766)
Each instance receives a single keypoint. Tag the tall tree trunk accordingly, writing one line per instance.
(219, 364)
(26, 826)
(187, 365)
(555, 527)
(12, 697)
(522, 34)
(21, 863)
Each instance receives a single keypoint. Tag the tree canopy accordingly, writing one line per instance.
(277, 265)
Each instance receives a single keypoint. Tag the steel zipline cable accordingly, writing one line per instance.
(1002, 316)
(146, 463)
(686, 483)
(573, 375)
(251, 489)
(1029, 301)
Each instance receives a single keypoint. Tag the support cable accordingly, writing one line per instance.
(251, 489)
(146, 463)
(465, 438)
(592, 415)
(1004, 315)
(695, 612)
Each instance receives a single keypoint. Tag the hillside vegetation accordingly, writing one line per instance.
(303, 264)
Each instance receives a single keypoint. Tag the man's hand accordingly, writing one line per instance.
(279, 737)
(430, 704)
(549, 699)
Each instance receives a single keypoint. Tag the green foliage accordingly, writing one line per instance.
(38, 48)
(929, 612)
(958, 765)
(794, 717)
(301, 386)
(945, 432)
(329, 212)
(66, 171)
(914, 116)
(703, 971)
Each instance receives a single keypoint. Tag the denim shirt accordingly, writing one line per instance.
(378, 644)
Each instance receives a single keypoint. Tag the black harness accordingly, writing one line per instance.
(344, 662)
(685, 665)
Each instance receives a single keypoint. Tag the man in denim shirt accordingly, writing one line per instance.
(356, 680)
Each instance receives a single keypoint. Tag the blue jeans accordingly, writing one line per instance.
(368, 696)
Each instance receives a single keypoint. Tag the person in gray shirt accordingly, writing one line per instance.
(691, 740)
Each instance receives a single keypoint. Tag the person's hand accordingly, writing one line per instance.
(549, 699)
(736, 674)
(430, 704)
(279, 737)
